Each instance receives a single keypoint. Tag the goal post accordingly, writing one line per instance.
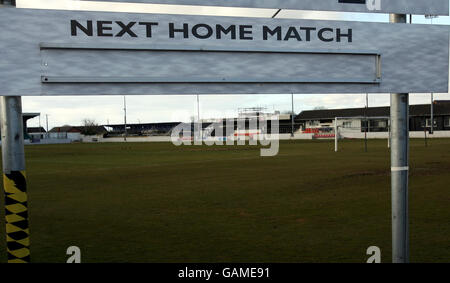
(360, 127)
(336, 134)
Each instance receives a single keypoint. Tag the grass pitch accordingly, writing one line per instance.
(154, 202)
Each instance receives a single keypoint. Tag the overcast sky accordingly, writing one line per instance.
(72, 110)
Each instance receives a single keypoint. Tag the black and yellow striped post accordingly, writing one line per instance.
(14, 180)
(16, 214)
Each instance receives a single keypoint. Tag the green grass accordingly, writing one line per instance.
(154, 202)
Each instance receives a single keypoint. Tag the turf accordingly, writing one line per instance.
(154, 202)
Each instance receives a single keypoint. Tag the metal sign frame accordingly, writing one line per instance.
(68, 53)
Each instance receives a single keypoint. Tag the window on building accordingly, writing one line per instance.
(347, 124)
(314, 123)
(447, 122)
(429, 122)
(380, 124)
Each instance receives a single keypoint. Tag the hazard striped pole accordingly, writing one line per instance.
(14, 180)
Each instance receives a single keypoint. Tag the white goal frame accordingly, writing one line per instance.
(362, 118)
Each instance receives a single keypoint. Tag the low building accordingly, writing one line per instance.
(76, 133)
(353, 119)
(65, 132)
(145, 129)
(36, 134)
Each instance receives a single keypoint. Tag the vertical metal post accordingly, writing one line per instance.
(199, 123)
(125, 117)
(432, 114)
(46, 121)
(431, 17)
(399, 169)
(14, 177)
(336, 134)
(40, 128)
(14, 180)
(198, 107)
(367, 122)
(292, 115)
(389, 134)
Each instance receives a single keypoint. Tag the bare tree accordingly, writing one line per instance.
(90, 127)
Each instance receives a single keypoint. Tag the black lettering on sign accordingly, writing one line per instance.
(215, 31)
(75, 25)
(321, 34)
(292, 33)
(126, 28)
(308, 31)
(197, 34)
(101, 28)
(220, 29)
(339, 34)
(173, 30)
(244, 31)
(148, 26)
(267, 31)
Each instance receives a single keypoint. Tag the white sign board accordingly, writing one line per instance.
(419, 7)
(94, 53)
